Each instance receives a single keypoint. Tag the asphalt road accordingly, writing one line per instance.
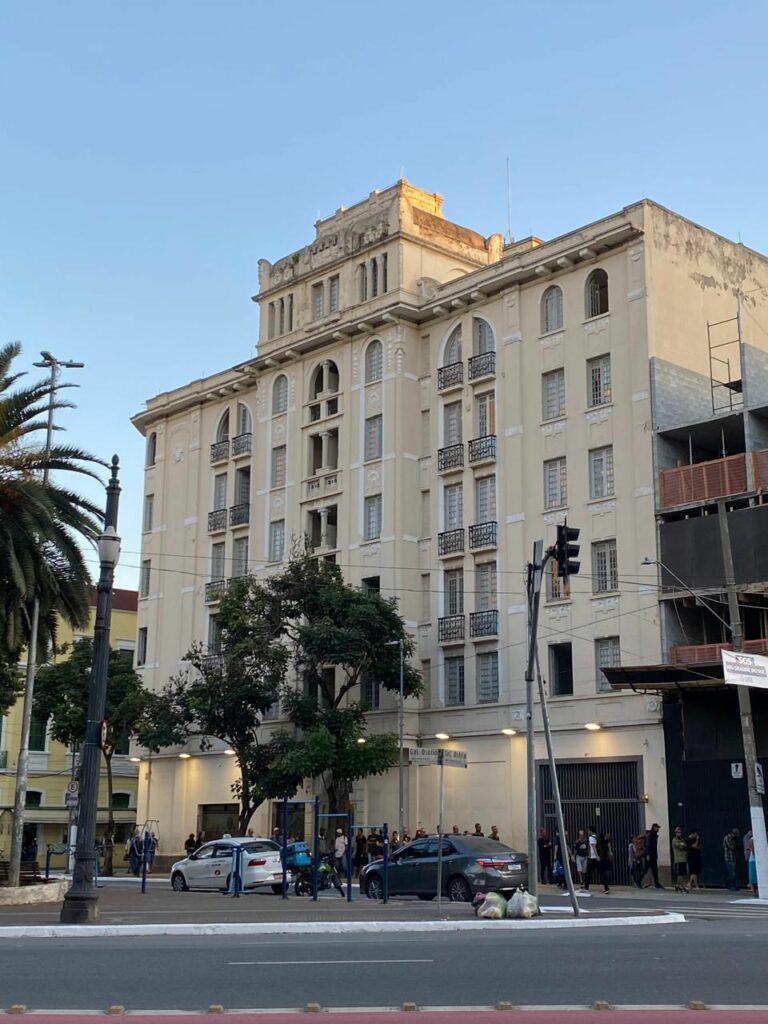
(713, 961)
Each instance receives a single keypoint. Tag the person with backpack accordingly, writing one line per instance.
(636, 859)
(581, 850)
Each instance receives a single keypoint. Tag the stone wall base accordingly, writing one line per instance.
(50, 892)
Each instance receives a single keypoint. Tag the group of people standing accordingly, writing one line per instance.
(590, 859)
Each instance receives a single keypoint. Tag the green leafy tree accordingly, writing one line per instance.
(61, 695)
(41, 522)
(342, 637)
(224, 695)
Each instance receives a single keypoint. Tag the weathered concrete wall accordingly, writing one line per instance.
(48, 892)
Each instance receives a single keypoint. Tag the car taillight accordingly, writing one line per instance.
(492, 862)
(257, 863)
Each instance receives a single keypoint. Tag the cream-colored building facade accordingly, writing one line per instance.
(425, 404)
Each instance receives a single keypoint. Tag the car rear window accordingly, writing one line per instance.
(482, 844)
(262, 846)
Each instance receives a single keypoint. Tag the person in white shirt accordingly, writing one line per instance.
(593, 858)
(340, 851)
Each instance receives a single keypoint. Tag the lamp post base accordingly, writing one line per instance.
(79, 909)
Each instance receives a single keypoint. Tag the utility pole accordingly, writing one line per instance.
(756, 810)
(55, 366)
(535, 569)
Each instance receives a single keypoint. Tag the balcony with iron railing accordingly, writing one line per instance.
(483, 535)
(485, 623)
(482, 449)
(451, 376)
(450, 629)
(215, 590)
(716, 478)
(241, 445)
(240, 514)
(483, 365)
(217, 520)
(451, 542)
(220, 451)
(709, 654)
(450, 458)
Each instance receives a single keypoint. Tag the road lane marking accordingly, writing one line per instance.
(296, 963)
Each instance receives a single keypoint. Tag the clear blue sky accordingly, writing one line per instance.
(152, 152)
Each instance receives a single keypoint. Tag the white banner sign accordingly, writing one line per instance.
(745, 669)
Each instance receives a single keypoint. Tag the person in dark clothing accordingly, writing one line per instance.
(359, 852)
(605, 859)
(652, 853)
(544, 844)
(190, 844)
(478, 829)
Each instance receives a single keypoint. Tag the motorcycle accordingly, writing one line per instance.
(327, 877)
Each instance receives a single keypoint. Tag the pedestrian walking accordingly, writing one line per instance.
(695, 846)
(135, 853)
(652, 852)
(563, 853)
(752, 865)
(339, 851)
(636, 859)
(151, 843)
(359, 852)
(730, 845)
(605, 859)
(679, 860)
(544, 848)
(190, 844)
(593, 858)
(581, 851)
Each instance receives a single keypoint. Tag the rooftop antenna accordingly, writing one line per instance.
(509, 236)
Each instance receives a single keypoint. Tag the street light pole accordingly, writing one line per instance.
(401, 733)
(81, 901)
(55, 366)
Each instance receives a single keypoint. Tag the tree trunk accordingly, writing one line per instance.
(337, 791)
(109, 834)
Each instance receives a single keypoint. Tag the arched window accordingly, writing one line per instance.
(325, 379)
(152, 449)
(222, 431)
(280, 395)
(374, 362)
(552, 309)
(243, 419)
(453, 347)
(597, 293)
(482, 337)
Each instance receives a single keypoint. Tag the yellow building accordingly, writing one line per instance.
(51, 764)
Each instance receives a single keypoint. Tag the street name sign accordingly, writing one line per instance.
(453, 758)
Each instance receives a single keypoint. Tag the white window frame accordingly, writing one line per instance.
(483, 338)
(218, 560)
(555, 483)
(453, 506)
(454, 681)
(149, 512)
(552, 309)
(374, 362)
(488, 677)
(486, 587)
(333, 294)
(280, 395)
(240, 557)
(607, 655)
(454, 591)
(452, 425)
(485, 414)
(599, 390)
(601, 482)
(372, 517)
(219, 492)
(374, 436)
(276, 540)
(145, 577)
(605, 569)
(485, 499)
(279, 466)
(553, 394)
(318, 300)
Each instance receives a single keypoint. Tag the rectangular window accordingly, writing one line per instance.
(362, 271)
(383, 260)
(452, 423)
(454, 681)
(561, 669)
(605, 573)
(453, 497)
(289, 312)
(555, 484)
(485, 414)
(317, 300)
(149, 512)
(33, 797)
(242, 486)
(121, 801)
(38, 730)
(374, 278)
(276, 540)
(557, 589)
(370, 692)
(240, 557)
(271, 321)
(607, 655)
(487, 678)
(485, 587)
(371, 585)
(599, 381)
(278, 467)
(333, 294)
(426, 597)
(373, 437)
(219, 491)
(372, 510)
(217, 561)
(553, 394)
(214, 635)
(144, 581)
(601, 472)
(454, 592)
(485, 499)
(141, 646)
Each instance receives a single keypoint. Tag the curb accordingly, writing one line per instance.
(75, 931)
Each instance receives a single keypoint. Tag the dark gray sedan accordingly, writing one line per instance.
(471, 864)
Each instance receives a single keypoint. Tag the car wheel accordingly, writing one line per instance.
(277, 890)
(459, 890)
(374, 888)
(179, 882)
(425, 896)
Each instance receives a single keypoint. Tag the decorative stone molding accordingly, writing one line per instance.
(598, 416)
(551, 429)
(602, 507)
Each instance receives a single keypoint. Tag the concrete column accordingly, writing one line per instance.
(325, 438)
(323, 527)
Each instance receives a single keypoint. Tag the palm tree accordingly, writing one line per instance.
(41, 521)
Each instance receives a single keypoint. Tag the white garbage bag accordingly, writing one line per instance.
(493, 907)
(522, 904)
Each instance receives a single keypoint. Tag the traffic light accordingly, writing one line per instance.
(566, 550)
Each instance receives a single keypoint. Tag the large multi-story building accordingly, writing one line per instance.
(426, 403)
(47, 819)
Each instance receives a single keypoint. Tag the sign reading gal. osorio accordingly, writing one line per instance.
(745, 669)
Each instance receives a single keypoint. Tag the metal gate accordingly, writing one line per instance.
(600, 793)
